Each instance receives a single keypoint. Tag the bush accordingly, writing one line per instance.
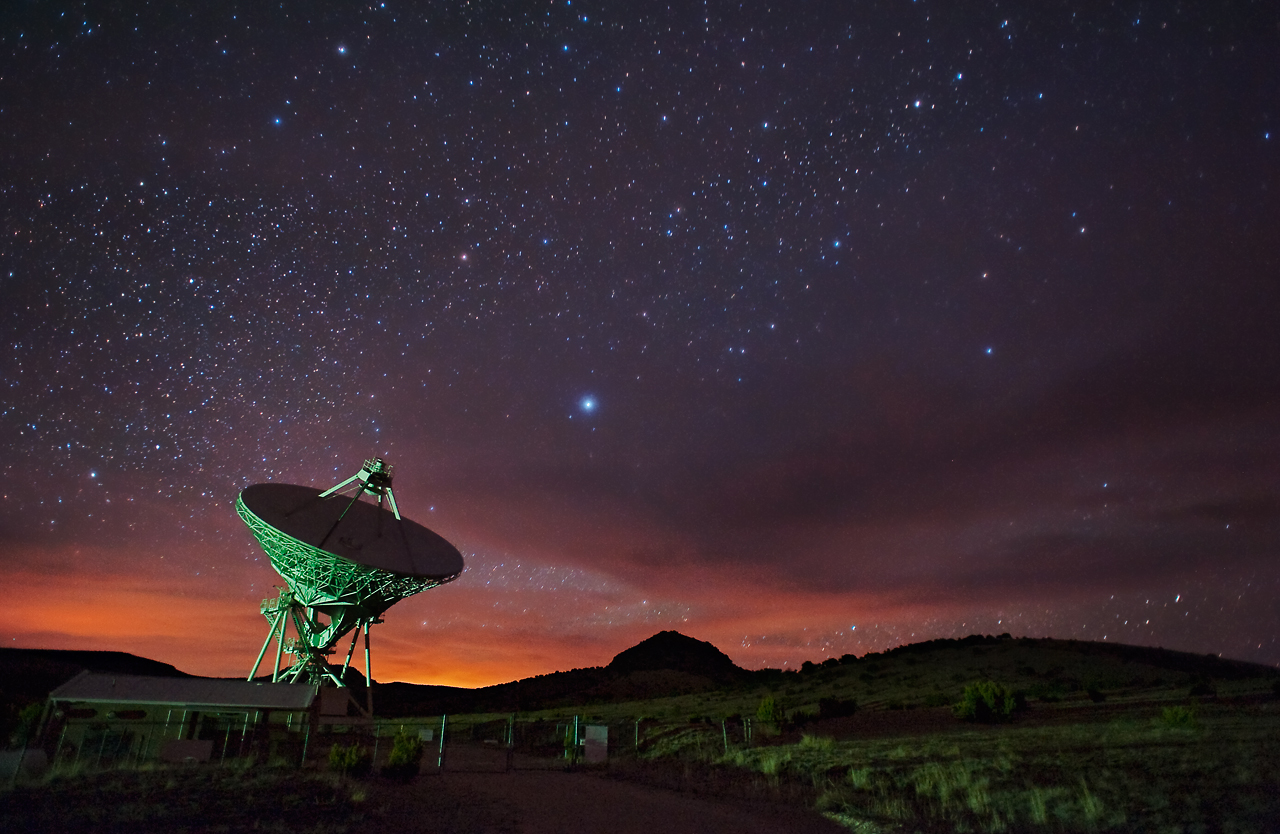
(406, 756)
(803, 716)
(821, 743)
(770, 712)
(936, 699)
(28, 719)
(1179, 717)
(1203, 688)
(836, 707)
(350, 760)
(985, 702)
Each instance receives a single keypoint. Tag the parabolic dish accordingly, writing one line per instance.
(367, 535)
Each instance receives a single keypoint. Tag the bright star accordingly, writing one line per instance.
(588, 404)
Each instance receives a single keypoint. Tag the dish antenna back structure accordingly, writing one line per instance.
(345, 562)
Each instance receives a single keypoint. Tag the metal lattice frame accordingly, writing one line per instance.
(351, 596)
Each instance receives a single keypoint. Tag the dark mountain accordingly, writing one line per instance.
(30, 674)
(672, 650)
(668, 663)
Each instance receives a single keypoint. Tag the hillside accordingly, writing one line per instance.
(667, 664)
(30, 674)
(675, 671)
(672, 669)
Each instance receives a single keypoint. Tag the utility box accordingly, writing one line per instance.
(595, 743)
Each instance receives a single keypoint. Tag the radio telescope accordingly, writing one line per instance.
(344, 561)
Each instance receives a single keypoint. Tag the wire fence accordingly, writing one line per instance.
(442, 743)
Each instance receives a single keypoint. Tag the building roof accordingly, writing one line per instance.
(106, 688)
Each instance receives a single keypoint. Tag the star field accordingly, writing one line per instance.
(803, 329)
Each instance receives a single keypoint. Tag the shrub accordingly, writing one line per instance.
(406, 755)
(821, 743)
(836, 707)
(1179, 717)
(28, 720)
(985, 702)
(1203, 688)
(936, 699)
(350, 760)
(803, 716)
(770, 712)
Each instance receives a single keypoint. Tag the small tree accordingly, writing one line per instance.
(770, 712)
(986, 702)
(28, 722)
(406, 755)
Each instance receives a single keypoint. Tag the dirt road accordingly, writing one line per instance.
(532, 802)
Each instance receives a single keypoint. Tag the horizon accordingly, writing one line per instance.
(810, 332)
(814, 663)
(797, 668)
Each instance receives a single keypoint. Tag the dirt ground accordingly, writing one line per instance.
(550, 802)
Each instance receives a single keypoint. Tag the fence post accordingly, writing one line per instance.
(724, 731)
(511, 740)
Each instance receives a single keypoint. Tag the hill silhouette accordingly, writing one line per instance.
(31, 674)
(668, 663)
(674, 651)
(671, 664)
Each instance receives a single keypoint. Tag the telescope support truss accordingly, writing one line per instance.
(312, 647)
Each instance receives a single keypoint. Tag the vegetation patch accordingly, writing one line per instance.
(1118, 776)
(986, 702)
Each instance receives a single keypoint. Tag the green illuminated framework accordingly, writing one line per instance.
(327, 597)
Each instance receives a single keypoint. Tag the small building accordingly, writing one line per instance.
(102, 718)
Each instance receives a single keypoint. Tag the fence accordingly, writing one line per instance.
(462, 743)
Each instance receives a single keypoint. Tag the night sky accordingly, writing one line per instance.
(805, 329)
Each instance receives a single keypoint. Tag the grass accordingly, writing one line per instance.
(186, 799)
(1218, 774)
(204, 799)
